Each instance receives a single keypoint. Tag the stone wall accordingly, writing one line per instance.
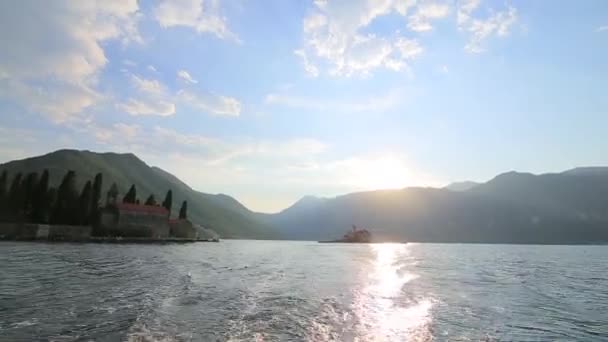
(183, 229)
(31, 231)
(143, 225)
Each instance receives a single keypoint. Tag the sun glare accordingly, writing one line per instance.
(386, 172)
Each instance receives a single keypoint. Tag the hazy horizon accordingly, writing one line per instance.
(271, 102)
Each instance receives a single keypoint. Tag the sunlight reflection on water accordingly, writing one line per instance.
(381, 313)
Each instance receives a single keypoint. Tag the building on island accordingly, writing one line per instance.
(135, 220)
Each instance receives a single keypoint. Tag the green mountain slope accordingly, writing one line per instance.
(221, 213)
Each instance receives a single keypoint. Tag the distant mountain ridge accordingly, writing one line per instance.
(221, 213)
(462, 186)
(513, 207)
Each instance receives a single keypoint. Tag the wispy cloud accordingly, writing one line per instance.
(421, 20)
(203, 16)
(210, 103)
(152, 97)
(602, 28)
(184, 75)
(498, 24)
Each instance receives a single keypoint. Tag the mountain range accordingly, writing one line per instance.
(513, 207)
(567, 207)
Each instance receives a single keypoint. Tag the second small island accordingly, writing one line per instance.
(356, 235)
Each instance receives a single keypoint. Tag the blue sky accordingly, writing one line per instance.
(269, 101)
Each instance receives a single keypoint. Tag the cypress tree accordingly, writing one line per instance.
(51, 199)
(96, 197)
(15, 196)
(112, 195)
(168, 202)
(84, 203)
(67, 201)
(29, 191)
(40, 204)
(131, 196)
(3, 192)
(183, 211)
(3, 181)
(151, 200)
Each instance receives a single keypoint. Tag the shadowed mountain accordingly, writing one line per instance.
(221, 213)
(571, 207)
(461, 186)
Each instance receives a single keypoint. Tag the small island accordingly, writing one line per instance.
(31, 209)
(356, 235)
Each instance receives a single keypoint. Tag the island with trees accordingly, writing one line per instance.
(31, 209)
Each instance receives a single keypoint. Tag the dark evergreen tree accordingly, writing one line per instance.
(84, 203)
(3, 181)
(66, 204)
(40, 204)
(29, 193)
(151, 200)
(131, 196)
(112, 195)
(96, 198)
(15, 197)
(183, 211)
(51, 198)
(3, 193)
(168, 202)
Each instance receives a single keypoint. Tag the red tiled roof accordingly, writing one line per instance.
(150, 209)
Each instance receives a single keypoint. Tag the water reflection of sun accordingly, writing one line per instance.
(382, 316)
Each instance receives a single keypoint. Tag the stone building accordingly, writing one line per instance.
(134, 220)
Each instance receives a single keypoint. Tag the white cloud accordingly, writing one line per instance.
(480, 30)
(310, 68)
(409, 48)
(148, 85)
(152, 68)
(203, 16)
(379, 103)
(465, 9)
(59, 79)
(420, 21)
(58, 101)
(337, 36)
(602, 28)
(148, 107)
(210, 103)
(184, 75)
(152, 97)
(334, 37)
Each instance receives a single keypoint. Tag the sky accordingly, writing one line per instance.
(272, 100)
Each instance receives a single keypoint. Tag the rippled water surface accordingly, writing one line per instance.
(302, 291)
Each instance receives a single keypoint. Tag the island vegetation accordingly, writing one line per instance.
(30, 199)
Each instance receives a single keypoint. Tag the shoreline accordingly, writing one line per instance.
(113, 240)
